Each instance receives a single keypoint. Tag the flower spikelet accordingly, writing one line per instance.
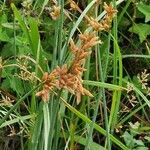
(143, 79)
(105, 24)
(56, 12)
(109, 16)
(89, 40)
(110, 10)
(49, 83)
(73, 47)
(95, 24)
(73, 5)
(69, 77)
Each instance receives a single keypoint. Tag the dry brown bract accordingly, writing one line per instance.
(49, 83)
(69, 78)
(56, 12)
(73, 5)
(105, 24)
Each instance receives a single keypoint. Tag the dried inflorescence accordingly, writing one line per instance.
(110, 13)
(26, 75)
(95, 24)
(49, 83)
(55, 10)
(131, 95)
(88, 41)
(73, 5)
(105, 24)
(69, 77)
(143, 79)
(6, 100)
(132, 99)
(25, 72)
(2, 63)
(129, 88)
(27, 7)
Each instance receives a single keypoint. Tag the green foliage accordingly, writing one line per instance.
(142, 30)
(130, 138)
(117, 75)
(145, 9)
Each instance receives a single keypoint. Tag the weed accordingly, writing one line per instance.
(74, 75)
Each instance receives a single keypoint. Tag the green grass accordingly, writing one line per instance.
(33, 44)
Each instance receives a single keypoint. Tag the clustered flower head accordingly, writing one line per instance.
(25, 72)
(105, 24)
(69, 77)
(73, 5)
(143, 79)
(56, 10)
(49, 83)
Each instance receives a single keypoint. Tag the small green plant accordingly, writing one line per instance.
(130, 137)
(73, 75)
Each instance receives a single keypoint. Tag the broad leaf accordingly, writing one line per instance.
(129, 140)
(16, 85)
(3, 36)
(143, 30)
(34, 34)
(145, 9)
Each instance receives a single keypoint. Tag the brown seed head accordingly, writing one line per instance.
(56, 12)
(70, 78)
(73, 5)
(109, 9)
